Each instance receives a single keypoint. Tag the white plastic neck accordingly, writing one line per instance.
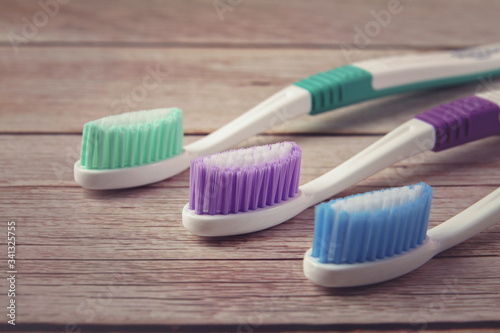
(411, 138)
(289, 103)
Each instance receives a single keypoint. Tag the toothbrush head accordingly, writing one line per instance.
(237, 191)
(131, 139)
(355, 237)
(129, 149)
(244, 179)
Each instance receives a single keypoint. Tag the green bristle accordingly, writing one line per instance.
(132, 139)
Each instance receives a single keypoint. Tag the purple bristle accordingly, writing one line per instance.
(244, 179)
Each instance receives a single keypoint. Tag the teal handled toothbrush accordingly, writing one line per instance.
(374, 237)
(129, 150)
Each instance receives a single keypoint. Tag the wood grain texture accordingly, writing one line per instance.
(255, 292)
(285, 23)
(212, 87)
(77, 247)
(477, 163)
(146, 225)
(116, 261)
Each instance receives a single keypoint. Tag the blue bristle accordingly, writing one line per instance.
(371, 226)
(318, 225)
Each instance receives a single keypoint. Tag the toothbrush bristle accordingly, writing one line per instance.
(132, 139)
(244, 179)
(371, 226)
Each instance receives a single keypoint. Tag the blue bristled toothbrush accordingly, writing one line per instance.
(378, 236)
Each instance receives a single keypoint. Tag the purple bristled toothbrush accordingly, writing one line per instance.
(216, 209)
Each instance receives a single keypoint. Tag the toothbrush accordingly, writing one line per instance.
(322, 92)
(440, 128)
(335, 261)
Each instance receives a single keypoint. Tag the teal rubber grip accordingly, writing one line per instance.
(349, 84)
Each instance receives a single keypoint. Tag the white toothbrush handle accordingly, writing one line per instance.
(353, 83)
(409, 139)
(445, 126)
(386, 76)
(403, 70)
(482, 215)
(289, 103)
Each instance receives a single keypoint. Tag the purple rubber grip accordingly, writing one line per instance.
(461, 121)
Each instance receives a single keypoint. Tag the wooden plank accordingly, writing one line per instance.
(287, 23)
(123, 258)
(250, 292)
(476, 163)
(57, 90)
(73, 244)
(145, 224)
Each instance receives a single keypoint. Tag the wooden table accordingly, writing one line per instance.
(121, 260)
